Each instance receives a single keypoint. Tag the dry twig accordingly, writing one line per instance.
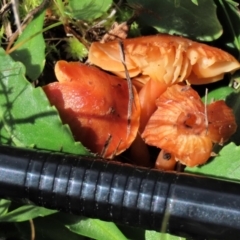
(130, 87)
(26, 20)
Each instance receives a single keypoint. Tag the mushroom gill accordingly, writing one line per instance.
(165, 58)
(156, 62)
(180, 126)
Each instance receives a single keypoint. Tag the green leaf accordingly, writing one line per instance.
(220, 93)
(228, 14)
(31, 50)
(88, 10)
(180, 17)
(51, 227)
(26, 117)
(97, 229)
(152, 235)
(4, 205)
(25, 213)
(226, 165)
(132, 232)
(195, 2)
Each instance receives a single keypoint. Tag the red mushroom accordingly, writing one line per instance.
(221, 122)
(165, 60)
(181, 128)
(94, 104)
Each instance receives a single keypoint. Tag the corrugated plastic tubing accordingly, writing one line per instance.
(177, 203)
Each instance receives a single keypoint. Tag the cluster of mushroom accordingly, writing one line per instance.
(159, 61)
(165, 112)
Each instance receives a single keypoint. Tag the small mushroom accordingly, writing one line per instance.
(180, 126)
(165, 161)
(94, 104)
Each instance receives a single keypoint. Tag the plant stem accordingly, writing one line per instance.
(28, 39)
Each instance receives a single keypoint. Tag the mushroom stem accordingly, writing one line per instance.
(139, 152)
(147, 96)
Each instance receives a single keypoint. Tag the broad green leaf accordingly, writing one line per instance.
(218, 94)
(25, 213)
(180, 17)
(97, 229)
(26, 117)
(195, 2)
(50, 227)
(228, 15)
(132, 232)
(152, 235)
(226, 165)
(88, 10)
(31, 50)
(4, 205)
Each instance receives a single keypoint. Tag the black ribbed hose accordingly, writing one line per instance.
(177, 203)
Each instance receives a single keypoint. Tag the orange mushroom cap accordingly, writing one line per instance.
(221, 122)
(165, 161)
(179, 125)
(165, 58)
(156, 62)
(95, 106)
